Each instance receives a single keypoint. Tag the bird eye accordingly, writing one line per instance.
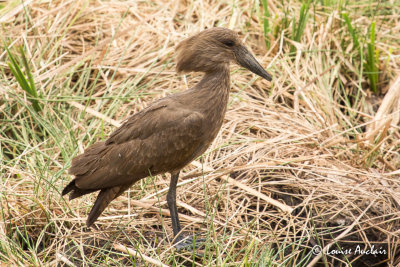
(229, 43)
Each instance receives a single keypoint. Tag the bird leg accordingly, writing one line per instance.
(179, 240)
(171, 199)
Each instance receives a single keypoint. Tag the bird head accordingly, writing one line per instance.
(213, 49)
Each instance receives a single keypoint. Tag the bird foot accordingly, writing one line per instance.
(188, 243)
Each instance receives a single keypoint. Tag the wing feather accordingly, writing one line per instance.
(161, 139)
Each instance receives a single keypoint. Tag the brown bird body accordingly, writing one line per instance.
(171, 132)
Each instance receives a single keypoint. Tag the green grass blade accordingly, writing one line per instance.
(351, 30)
(298, 31)
(27, 84)
(17, 72)
(267, 28)
(302, 21)
(28, 72)
(371, 64)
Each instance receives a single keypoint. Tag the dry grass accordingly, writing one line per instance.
(315, 139)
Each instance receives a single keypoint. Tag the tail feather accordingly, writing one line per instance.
(71, 186)
(103, 199)
(76, 192)
(80, 192)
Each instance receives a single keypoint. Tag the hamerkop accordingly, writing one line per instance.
(169, 133)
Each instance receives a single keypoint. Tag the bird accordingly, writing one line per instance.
(171, 132)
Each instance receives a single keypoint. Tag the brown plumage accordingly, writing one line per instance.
(171, 132)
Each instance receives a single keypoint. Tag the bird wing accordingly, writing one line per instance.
(144, 123)
(160, 138)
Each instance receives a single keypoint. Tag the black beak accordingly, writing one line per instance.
(245, 59)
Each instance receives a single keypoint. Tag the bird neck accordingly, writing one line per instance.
(214, 86)
(212, 94)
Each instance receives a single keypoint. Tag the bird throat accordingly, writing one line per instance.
(214, 89)
(213, 94)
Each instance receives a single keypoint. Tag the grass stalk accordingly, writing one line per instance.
(266, 22)
(26, 82)
(371, 66)
(299, 27)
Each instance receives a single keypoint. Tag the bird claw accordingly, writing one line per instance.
(189, 243)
